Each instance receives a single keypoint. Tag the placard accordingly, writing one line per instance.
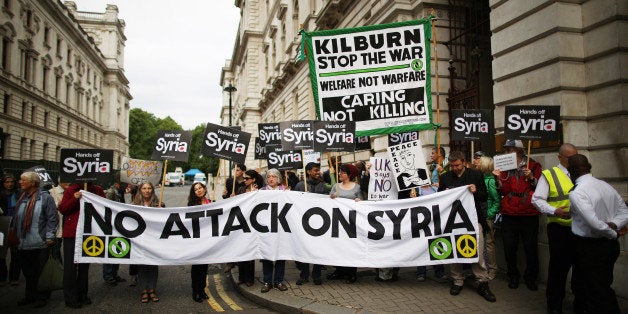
(472, 125)
(382, 184)
(86, 165)
(285, 160)
(408, 164)
(334, 136)
(136, 171)
(225, 142)
(309, 155)
(535, 123)
(172, 145)
(362, 143)
(377, 76)
(399, 138)
(297, 135)
(269, 134)
(44, 176)
(505, 162)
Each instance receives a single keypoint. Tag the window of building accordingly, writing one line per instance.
(47, 36)
(69, 127)
(33, 114)
(57, 153)
(46, 117)
(32, 150)
(69, 57)
(23, 147)
(58, 125)
(59, 40)
(44, 151)
(68, 92)
(44, 77)
(6, 104)
(6, 45)
(6, 5)
(58, 86)
(24, 108)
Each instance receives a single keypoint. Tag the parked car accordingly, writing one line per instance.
(200, 177)
(173, 178)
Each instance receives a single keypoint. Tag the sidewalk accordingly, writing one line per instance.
(406, 295)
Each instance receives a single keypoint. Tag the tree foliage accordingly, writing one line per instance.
(143, 127)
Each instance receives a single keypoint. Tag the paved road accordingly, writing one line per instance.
(173, 287)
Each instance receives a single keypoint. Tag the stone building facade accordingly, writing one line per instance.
(489, 54)
(62, 81)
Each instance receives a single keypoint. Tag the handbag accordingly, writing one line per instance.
(12, 239)
(51, 277)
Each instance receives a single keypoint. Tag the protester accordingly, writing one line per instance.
(437, 165)
(599, 217)
(110, 271)
(519, 217)
(198, 273)
(484, 164)
(252, 182)
(57, 194)
(329, 176)
(229, 191)
(147, 274)
(132, 190)
(75, 275)
(35, 220)
(292, 180)
(273, 271)
(349, 189)
(8, 198)
(314, 185)
(459, 176)
(551, 197)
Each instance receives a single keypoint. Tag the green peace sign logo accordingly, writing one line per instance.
(417, 65)
(119, 248)
(93, 246)
(467, 246)
(440, 248)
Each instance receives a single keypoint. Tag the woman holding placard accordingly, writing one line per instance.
(147, 274)
(198, 273)
(347, 188)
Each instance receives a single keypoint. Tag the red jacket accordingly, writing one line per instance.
(70, 207)
(517, 191)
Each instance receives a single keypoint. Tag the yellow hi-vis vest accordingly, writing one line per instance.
(559, 186)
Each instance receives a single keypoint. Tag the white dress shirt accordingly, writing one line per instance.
(539, 198)
(593, 204)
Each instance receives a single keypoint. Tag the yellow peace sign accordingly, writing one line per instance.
(93, 246)
(470, 245)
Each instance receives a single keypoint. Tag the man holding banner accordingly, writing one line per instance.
(459, 176)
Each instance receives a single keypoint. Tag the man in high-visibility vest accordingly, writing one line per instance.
(551, 197)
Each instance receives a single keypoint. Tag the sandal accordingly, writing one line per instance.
(153, 296)
(144, 296)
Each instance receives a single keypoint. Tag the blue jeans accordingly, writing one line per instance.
(110, 271)
(305, 270)
(279, 268)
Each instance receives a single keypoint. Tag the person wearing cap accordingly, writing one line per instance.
(551, 197)
(599, 217)
(519, 217)
(314, 185)
(476, 159)
(459, 176)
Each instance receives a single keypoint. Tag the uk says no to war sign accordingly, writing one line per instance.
(377, 76)
(282, 225)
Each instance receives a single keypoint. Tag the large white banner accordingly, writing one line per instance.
(282, 225)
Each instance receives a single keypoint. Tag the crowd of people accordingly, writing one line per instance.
(585, 217)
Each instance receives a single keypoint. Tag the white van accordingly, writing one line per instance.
(173, 178)
(200, 177)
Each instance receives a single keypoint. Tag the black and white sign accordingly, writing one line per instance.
(399, 138)
(45, 178)
(408, 165)
(86, 165)
(261, 151)
(536, 123)
(269, 134)
(362, 143)
(297, 135)
(382, 184)
(472, 125)
(225, 143)
(172, 145)
(285, 160)
(334, 136)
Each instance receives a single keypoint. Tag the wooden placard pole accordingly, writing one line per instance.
(216, 180)
(233, 184)
(528, 159)
(434, 44)
(163, 182)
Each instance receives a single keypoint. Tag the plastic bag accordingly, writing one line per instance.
(51, 277)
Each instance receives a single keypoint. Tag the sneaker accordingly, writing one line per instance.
(281, 287)
(265, 287)
(485, 292)
(111, 281)
(301, 281)
(455, 290)
(420, 278)
(318, 281)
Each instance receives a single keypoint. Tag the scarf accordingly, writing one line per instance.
(28, 218)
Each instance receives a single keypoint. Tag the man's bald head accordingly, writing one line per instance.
(565, 151)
